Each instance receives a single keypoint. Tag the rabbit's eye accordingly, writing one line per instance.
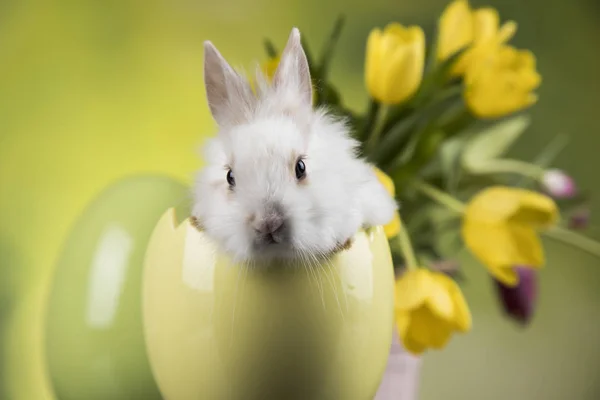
(230, 178)
(300, 170)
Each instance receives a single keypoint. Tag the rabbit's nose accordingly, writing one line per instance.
(271, 224)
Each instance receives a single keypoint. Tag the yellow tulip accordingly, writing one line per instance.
(501, 83)
(485, 24)
(499, 228)
(387, 182)
(488, 36)
(455, 29)
(394, 62)
(393, 228)
(429, 307)
(478, 31)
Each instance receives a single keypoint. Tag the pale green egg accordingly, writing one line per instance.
(94, 335)
(311, 329)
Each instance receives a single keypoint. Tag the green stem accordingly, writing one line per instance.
(498, 166)
(574, 239)
(370, 119)
(395, 114)
(373, 138)
(406, 247)
(439, 196)
(546, 156)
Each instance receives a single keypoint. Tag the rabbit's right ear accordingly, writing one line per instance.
(229, 95)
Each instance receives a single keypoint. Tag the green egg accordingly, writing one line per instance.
(94, 336)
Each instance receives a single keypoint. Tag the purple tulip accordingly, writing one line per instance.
(519, 301)
(558, 184)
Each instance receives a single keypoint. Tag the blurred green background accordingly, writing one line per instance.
(94, 91)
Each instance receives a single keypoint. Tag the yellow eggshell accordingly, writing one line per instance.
(215, 330)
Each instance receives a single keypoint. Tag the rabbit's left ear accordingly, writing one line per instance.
(293, 73)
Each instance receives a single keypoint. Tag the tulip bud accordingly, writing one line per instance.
(394, 63)
(579, 219)
(519, 301)
(558, 184)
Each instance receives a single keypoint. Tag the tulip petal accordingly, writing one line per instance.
(439, 300)
(455, 29)
(506, 275)
(441, 335)
(493, 205)
(387, 182)
(412, 289)
(499, 229)
(534, 209)
(485, 24)
(398, 32)
(506, 32)
(412, 345)
(393, 228)
(462, 315)
(427, 328)
(500, 246)
(373, 60)
(527, 245)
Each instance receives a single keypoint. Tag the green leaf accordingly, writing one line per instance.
(546, 157)
(431, 52)
(435, 80)
(331, 96)
(270, 48)
(450, 155)
(394, 142)
(493, 142)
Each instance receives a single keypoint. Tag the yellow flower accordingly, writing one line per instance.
(488, 36)
(486, 26)
(429, 307)
(501, 83)
(394, 62)
(393, 228)
(455, 29)
(387, 182)
(499, 227)
(460, 27)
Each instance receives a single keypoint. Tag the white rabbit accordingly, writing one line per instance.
(282, 179)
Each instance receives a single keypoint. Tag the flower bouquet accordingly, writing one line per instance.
(442, 114)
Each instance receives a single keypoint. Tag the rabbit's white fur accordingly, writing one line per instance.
(260, 138)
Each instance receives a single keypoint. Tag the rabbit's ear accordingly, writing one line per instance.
(229, 95)
(293, 73)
